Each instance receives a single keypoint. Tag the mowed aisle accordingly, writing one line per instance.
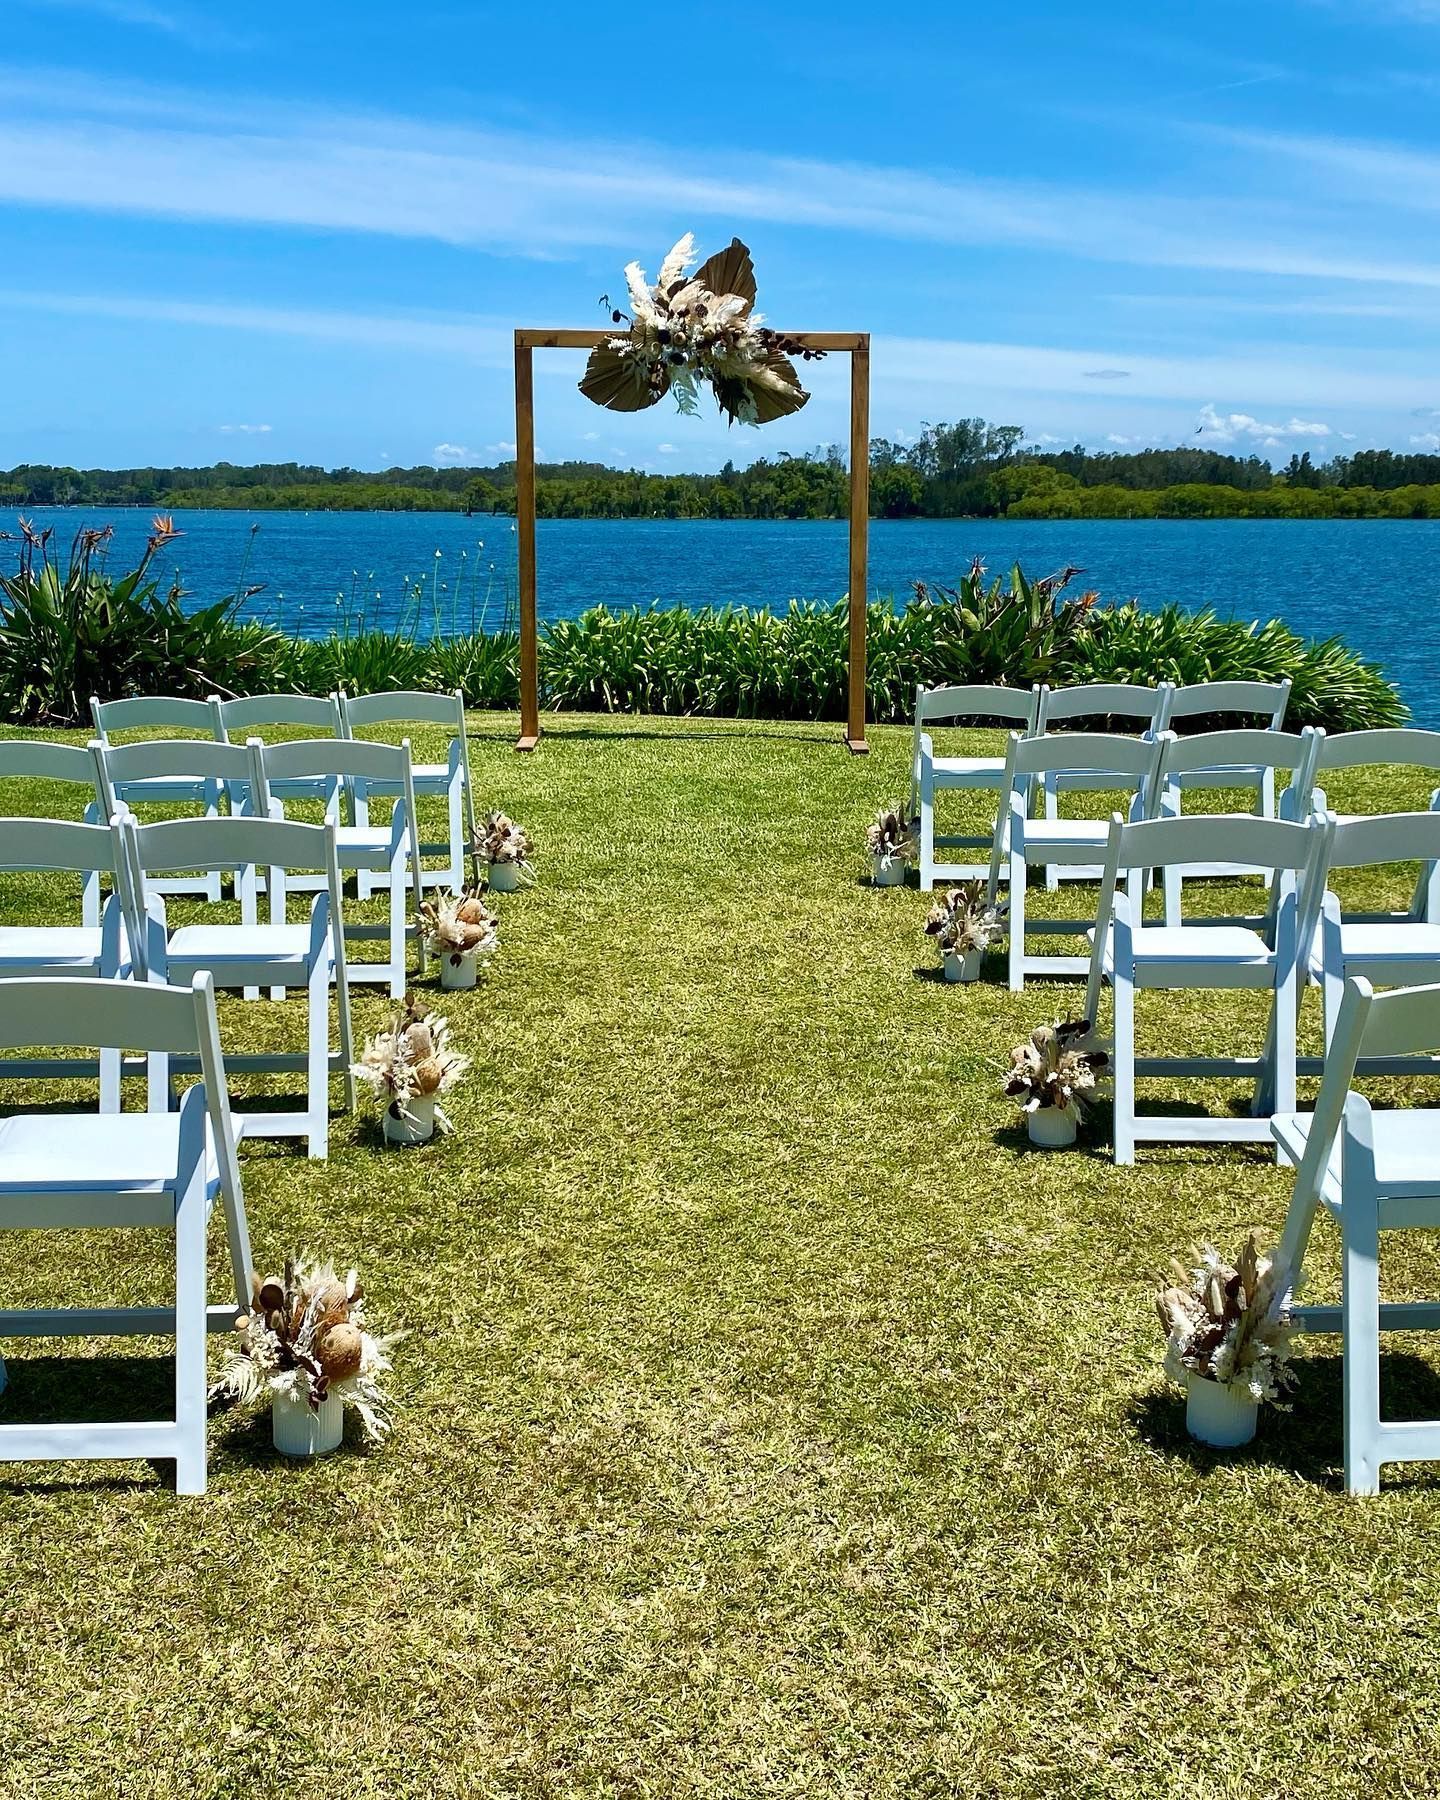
(772, 1420)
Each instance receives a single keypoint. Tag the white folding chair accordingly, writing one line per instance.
(1205, 761)
(1148, 709)
(1408, 746)
(1104, 762)
(449, 780)
(1372, 1171)
(393, 849)
(1204, 954)
(121, 1171)
(68, 767)
(929, 774)
(101, 951)
(277, 955)
(190, 719)
(1388, 949)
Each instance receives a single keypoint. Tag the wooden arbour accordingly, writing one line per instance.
(855, 344)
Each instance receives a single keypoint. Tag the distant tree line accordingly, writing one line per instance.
(970, 468)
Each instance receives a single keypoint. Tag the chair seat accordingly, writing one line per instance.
(953, 769)
(32, 946)
(162, 787)
(120, 1153)
(1193, 946)
(1407, 1153)
(206, 945)
(1405, 940)
(366, 846)
(1087, 834)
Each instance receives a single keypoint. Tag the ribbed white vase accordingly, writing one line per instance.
(1052, 1127)
(416, 1125)
(458, 968)
(956, 966)
(300, 1430)
(504, 877)
(1218, 1416)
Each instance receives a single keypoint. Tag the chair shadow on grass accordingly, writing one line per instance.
(81, 1390)
(1307, 1441)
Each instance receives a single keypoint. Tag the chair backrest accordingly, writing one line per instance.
(36, 759)
(1249, 699)
(1133, 761)
(59, 844)
(85, 1013)
(184, 758)
(1274, 844)
(1387, 838)
(1148, 706)
(362, 712)
(309, 712)
(151, 712)
(945, 704)
(230, 843)
(337, 758)
(1406, 744)
(1244, 749)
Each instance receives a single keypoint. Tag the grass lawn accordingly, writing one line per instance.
(772, 1421)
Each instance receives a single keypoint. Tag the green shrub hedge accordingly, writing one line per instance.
(68, 633)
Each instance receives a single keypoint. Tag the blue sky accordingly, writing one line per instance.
(307, 232)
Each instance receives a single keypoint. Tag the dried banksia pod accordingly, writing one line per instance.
(428, 1074)
(338, 1351)
(416, 1042)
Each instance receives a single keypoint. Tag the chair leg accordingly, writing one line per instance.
(1279, 1077)
(1052, 812)
(398, 891)
(109, 1081)
(365, 883)
(190, 1333)
(927, 831)
(317, 1075)
(1124, 1002)
(457, 836)
(1017, 924)
(1360, 1320)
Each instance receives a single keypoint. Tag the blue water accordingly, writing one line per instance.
(1375, 582)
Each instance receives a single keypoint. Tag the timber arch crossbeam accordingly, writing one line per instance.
(855, 344)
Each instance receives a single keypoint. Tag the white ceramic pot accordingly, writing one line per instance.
(887, 874)
(416, 1125)
(1218, 1416)
(299, 1430)
(958, 967)
(504, 877)
(1052, 1127)
(458, 968)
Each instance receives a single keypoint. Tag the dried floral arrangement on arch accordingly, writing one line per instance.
(687, 329)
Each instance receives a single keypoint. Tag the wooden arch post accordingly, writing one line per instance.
(854, 343)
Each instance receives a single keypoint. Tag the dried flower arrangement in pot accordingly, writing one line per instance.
(891, 843)
(1055, 1074)
(410, 1066)
(505, 849)
(964, 924)
(1228, 1332)
(304, 1345)
(693, 328)
(457, 929)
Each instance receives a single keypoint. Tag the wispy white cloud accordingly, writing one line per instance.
(1107, 374)
(242, 430)
(451, 456)
(175, 22)
(182, 155)
(1427, 440)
